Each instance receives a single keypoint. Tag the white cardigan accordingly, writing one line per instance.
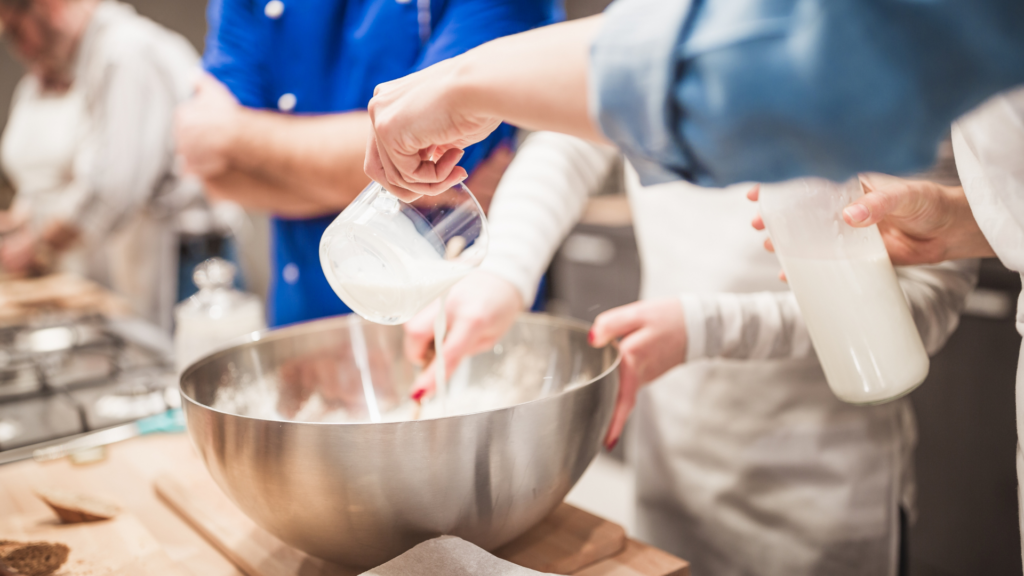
(989, 148)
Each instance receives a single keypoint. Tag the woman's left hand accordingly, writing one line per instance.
(653, 342)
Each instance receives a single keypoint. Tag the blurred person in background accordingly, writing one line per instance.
(280, 123)
(745, 461)
(89, 150)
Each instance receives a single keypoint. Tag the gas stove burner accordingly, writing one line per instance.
(48, 340)
(61, 376)
(136, 398)
(9, 430)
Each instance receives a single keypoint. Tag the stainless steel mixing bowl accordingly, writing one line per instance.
(360, 493)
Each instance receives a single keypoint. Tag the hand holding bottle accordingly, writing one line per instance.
(921, 222)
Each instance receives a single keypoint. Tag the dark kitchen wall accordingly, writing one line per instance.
(966, 454)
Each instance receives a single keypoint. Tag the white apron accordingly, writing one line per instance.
(38, 151)
(45, 153)
(754, 467)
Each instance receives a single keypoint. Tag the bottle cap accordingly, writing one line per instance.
(214, 273)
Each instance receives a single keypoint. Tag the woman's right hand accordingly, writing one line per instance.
(921, 222)
(421, 125)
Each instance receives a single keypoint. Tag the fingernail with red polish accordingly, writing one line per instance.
(590, 337)
(418, 394)
(612, 445)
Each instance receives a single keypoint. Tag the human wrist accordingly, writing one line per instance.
(229, 137)
(964, 238)
(525, 291)
(239, 130)
(469, 84)
(694, 321)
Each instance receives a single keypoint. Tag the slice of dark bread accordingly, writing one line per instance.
(32, 558)
(73, 507)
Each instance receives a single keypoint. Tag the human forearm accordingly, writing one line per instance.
(423, 121)
(964, 238)
(261, 194)
(988, 153)
(322, 154)
(312, 161)
(535, 80)
(768, 325)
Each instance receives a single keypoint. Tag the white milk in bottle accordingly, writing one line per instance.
(855, 311)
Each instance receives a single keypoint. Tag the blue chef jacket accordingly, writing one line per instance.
(317, 56)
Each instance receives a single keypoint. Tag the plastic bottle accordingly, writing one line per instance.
(215, 315)
(855, 311)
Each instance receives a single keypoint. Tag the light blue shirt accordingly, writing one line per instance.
(726, 91)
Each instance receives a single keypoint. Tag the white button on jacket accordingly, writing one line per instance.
(286, 103)
(274, 9)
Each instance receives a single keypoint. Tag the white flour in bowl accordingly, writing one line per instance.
(517, 377)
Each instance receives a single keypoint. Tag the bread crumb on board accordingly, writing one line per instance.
(31, 558)
(74, 507)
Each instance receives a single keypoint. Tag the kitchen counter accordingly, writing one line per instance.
(131, 468)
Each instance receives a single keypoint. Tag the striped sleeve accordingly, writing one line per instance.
(539, 199)
(768, 325)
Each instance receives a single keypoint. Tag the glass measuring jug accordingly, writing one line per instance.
(856, 314)
(388, 259)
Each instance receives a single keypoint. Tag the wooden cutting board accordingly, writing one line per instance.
(564, 543)
(118, 547)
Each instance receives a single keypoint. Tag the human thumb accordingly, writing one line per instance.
(873, 207)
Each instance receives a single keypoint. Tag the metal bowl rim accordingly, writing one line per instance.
(331, 322)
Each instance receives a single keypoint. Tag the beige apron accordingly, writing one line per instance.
(45, 153)
(754, 467)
